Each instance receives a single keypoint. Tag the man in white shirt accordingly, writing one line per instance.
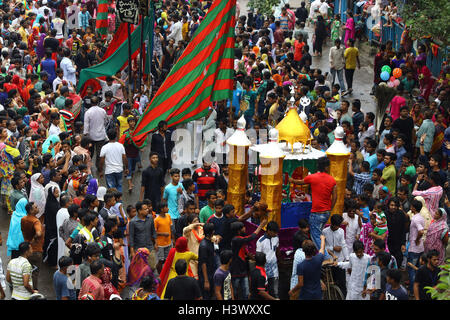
(113, 156)
(337, 63)
(55, 179)
(42, 8)
(94, 127)
(69, 68)
(221, 135)
(314, 5)
(72, 11)
(323, 9)
(59, 79)
(353, 225)
(58, 24)
(61, 216)
(109, 85)
(335, 246)
(175, 30)
(358, 262)
(54, 126)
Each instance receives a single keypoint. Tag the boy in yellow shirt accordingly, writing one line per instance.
(164, 234)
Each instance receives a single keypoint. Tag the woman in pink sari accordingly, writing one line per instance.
(349, 28)
(437, 234)
(368, 235)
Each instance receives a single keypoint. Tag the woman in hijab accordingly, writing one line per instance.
(8, 152)
(51, 233)
(168, 272)
(51, 145)
(15, 236)
(437, 235)
(37, 194)
(139, 268)
(193, 232)
(320, 33)
(92, 187)
(108, 287)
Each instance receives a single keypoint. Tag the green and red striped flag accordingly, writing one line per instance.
(101, 23)
(204, 73)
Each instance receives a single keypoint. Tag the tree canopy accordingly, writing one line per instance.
(428, 18)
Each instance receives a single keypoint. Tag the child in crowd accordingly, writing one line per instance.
(381, 224)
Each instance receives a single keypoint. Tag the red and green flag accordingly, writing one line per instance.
(119, 57)
(101, 22)
(204, 73)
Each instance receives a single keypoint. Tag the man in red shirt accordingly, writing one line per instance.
(92, 285)
(323, 192)
(205, 177)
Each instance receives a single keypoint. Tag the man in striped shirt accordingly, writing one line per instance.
(19, 274)
(360, 179)
(68, 116)
(205, 177)
(284, 20)
(433, 194)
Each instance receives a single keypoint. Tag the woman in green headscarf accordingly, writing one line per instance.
(50, 145)
(8, 152)
(15, 236)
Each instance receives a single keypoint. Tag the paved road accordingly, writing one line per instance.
(362, 85)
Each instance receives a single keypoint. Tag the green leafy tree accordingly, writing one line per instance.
(428, 18)
(442, 290)
(265, 7)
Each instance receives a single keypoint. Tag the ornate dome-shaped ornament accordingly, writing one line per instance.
(305, 101)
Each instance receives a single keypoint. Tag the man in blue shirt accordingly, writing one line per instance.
(309, 272)
(358, 116)
(371, 155)
(64, 288)
(237, 97)
(249, 100)
(172, 193)
(83, 18)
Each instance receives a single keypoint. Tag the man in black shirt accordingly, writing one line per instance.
(51, 43)
(182, 287)
(427, 276)
(207, 262)
(406, 126)
(302, 13)
(230, 217)
(152, 185)
(258, 279)
(239, 265)
(163, 145)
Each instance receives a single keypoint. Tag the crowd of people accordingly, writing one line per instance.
(182, 239)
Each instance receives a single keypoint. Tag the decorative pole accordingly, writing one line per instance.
(272, 176)
(339, 155)
(238, 167)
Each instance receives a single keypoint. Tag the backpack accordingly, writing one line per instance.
(77, 249)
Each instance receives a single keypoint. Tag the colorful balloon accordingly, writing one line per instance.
(396, 82)
(390, 84)
(256, 50)
(384, 76)
(392, 78)
(386, 68)
(397, 73)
